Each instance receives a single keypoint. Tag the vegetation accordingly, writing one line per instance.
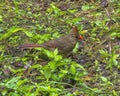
(92, 70)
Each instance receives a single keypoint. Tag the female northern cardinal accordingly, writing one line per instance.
(64, 44)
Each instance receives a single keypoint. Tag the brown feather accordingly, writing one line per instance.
(64, 44)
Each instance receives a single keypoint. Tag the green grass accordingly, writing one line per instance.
(93, 70)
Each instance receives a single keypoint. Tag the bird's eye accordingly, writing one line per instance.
(76, 36)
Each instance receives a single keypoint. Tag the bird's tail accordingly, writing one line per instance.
(29, 46)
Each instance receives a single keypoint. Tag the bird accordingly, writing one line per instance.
(64, 44)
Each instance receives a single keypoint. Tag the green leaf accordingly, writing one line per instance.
(75, 50)
(27, 33)
(12, 83)
(47, 72)
(115, 34)
(58, 58)
(85, 7)
(72, 11)
(50, 10)
(104, 53)
(62, 73)
(12, 30)
(80, 66)
(76, 20)
(48, 89)
(73, 69)
(103, 79)
(56, 10)
(20, 82)
(16, 71)
(1, 19)
(52, 65)
(53, 94)
(55, 51)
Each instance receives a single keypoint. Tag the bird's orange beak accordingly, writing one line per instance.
(80, 37)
